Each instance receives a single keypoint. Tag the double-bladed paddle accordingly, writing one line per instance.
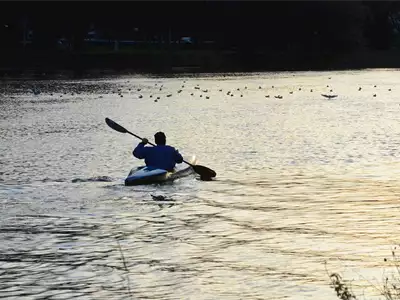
(204, 172)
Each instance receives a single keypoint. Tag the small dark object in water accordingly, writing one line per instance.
(161, 198)
(205, 178)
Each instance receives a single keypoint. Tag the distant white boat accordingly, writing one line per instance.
(329, 96)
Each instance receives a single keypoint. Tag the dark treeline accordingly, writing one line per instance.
(313, 29)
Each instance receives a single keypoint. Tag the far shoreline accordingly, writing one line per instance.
(30, 66)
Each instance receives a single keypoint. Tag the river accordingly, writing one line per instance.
(305, 186)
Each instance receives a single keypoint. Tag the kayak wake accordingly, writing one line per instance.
(94, 179)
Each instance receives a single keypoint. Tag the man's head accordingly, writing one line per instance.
(160, 138)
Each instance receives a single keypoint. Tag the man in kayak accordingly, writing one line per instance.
(161, 156)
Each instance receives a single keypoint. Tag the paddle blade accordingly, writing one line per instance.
(115, 126)
(204, 172)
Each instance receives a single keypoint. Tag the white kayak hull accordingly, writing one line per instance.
(151, 175)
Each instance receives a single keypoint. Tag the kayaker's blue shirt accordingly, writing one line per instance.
(160, 156)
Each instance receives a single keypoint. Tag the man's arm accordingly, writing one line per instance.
(140, 150)
(178, 157)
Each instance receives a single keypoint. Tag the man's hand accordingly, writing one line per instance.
(145, 141)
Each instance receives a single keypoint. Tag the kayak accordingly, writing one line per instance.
(150, 175)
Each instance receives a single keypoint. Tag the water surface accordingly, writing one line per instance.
(302, 181)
